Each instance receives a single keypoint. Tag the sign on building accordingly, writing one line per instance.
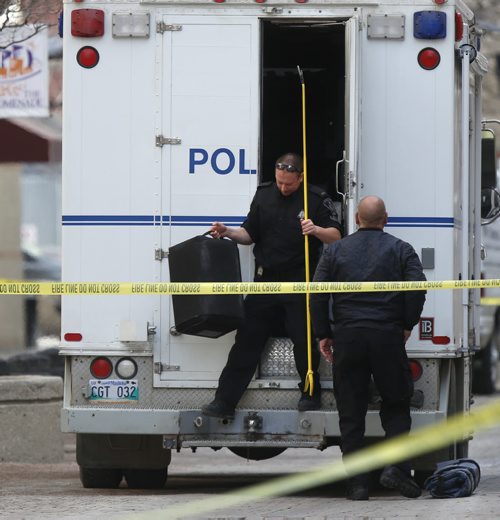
(23, 72)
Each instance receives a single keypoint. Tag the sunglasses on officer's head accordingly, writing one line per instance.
(288, 167)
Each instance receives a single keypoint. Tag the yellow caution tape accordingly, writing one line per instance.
(490, 301)
(16, 287)
(420, 441)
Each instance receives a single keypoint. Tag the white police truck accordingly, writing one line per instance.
(174, 112)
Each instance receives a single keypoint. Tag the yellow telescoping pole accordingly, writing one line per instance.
(309, 382)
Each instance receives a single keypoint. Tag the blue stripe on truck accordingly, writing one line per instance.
(233, 220)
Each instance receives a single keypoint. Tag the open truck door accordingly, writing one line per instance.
(351, 124)
(208, 80)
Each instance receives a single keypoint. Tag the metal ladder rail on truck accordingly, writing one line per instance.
(174, 112)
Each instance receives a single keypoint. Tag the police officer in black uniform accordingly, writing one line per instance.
(370, 330)
(276, 226)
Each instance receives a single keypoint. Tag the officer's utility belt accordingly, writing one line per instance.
(263, 274)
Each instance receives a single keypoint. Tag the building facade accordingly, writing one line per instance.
(488, 20)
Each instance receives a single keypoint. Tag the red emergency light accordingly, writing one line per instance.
(87, 57)
(429, 58)
(87, 23)
(440, 2)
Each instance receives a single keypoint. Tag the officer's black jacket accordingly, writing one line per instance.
(273, 224)
(365, 256)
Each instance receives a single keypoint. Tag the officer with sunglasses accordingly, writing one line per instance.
(276, 225)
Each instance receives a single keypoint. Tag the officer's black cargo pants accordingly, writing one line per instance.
(262, 311)
(358, 354)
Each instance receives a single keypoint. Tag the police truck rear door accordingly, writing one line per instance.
(209, 91)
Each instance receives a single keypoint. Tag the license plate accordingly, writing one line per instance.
(113, 390)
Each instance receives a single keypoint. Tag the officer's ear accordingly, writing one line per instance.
(357, 219)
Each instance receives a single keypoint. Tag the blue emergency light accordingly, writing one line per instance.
(429, 25)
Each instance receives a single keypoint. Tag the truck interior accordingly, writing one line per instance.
(319, 49)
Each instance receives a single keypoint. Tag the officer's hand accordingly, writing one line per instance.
(218, 230)
(325, 347)
(308, 227)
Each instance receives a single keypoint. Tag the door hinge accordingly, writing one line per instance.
(160, 140)
(161, 367)
(272, 10)
(151, 329)
(162, 27)
(160, 254)
(352, 182)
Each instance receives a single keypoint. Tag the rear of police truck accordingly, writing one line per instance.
(174, 112)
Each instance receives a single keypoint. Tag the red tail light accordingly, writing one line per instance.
(416, 370)
(101, 368)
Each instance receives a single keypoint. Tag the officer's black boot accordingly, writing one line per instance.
(357, 488)
(393, 477)
(218, 408)
(307, 402)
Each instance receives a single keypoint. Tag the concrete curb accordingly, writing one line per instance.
(30, 419)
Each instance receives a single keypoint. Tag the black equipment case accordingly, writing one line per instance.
(205, 259)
